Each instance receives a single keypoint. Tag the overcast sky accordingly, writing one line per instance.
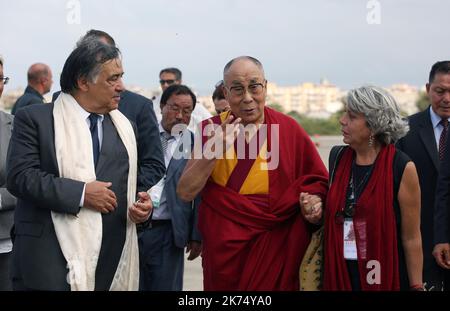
(296, 40)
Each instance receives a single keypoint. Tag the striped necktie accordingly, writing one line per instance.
(165, 137)
(442, 139)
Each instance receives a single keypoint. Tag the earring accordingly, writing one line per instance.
(371, 140)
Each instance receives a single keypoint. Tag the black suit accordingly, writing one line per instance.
(38, 262)
(29, 97)
(139, 109)
(441, 209)
(420, 145)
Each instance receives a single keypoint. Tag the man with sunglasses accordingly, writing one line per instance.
(40, 82)
(170, 76)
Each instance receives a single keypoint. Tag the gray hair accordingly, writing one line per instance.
(86, 61)
(381, 112)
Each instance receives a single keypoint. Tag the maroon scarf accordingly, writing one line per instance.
(374, 225)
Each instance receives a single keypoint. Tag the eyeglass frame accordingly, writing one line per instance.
(177, 109)
(246, 88)
(4, 80)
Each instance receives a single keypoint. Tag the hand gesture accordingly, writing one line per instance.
(98, 197)
(140, 210)
(223, 136)
(441, 253)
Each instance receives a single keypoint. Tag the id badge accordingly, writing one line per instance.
(350, 252)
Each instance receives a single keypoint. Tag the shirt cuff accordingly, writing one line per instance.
(82, 196)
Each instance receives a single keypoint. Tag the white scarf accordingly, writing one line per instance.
(80, 236)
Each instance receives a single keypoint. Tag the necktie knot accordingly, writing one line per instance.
(444, 123)
(168, 136)
(165, 137)
(93, 117)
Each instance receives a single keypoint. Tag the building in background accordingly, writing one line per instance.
(309, 99)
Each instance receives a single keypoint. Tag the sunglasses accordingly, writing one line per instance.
(169, 82)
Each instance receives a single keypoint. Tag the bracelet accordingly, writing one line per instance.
(417, 287)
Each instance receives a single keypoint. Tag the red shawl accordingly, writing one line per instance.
(257, 242)
(374, 225)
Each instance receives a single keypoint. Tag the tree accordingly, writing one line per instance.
(313, 126)
(277, 107)
(422, 101)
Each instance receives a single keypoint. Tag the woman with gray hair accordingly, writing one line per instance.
(372, 235)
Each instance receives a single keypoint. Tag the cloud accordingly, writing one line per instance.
(297, 41)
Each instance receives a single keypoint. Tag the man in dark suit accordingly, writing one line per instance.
(424, 144)
(40, 82)
(44, 157)
(441, 94)
(138, 109)
(7, 201)
(173, 225)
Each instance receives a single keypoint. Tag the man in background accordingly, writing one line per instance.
(174, 222)
(220, 103)
(425, 144)
(168, 77)
(40, 82)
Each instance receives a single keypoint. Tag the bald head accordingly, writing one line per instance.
(241, 59)
(40, 77)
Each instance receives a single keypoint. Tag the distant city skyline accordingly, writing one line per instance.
(297, 41)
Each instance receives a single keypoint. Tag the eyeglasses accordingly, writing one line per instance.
(239, 90)
(186, 112)
(4, 80)
(168, 82)
(348, 212)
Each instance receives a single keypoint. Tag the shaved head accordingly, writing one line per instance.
(240, 58)
(37, 71)
(40, 78)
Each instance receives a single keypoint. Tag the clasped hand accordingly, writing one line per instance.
(311, 207)
(99, 197)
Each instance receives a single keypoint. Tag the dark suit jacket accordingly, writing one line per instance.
(139, 109)
(442, 204)
(30, 97)
(420, 145)
(8, 201)
(184, 214)
(33, 177)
